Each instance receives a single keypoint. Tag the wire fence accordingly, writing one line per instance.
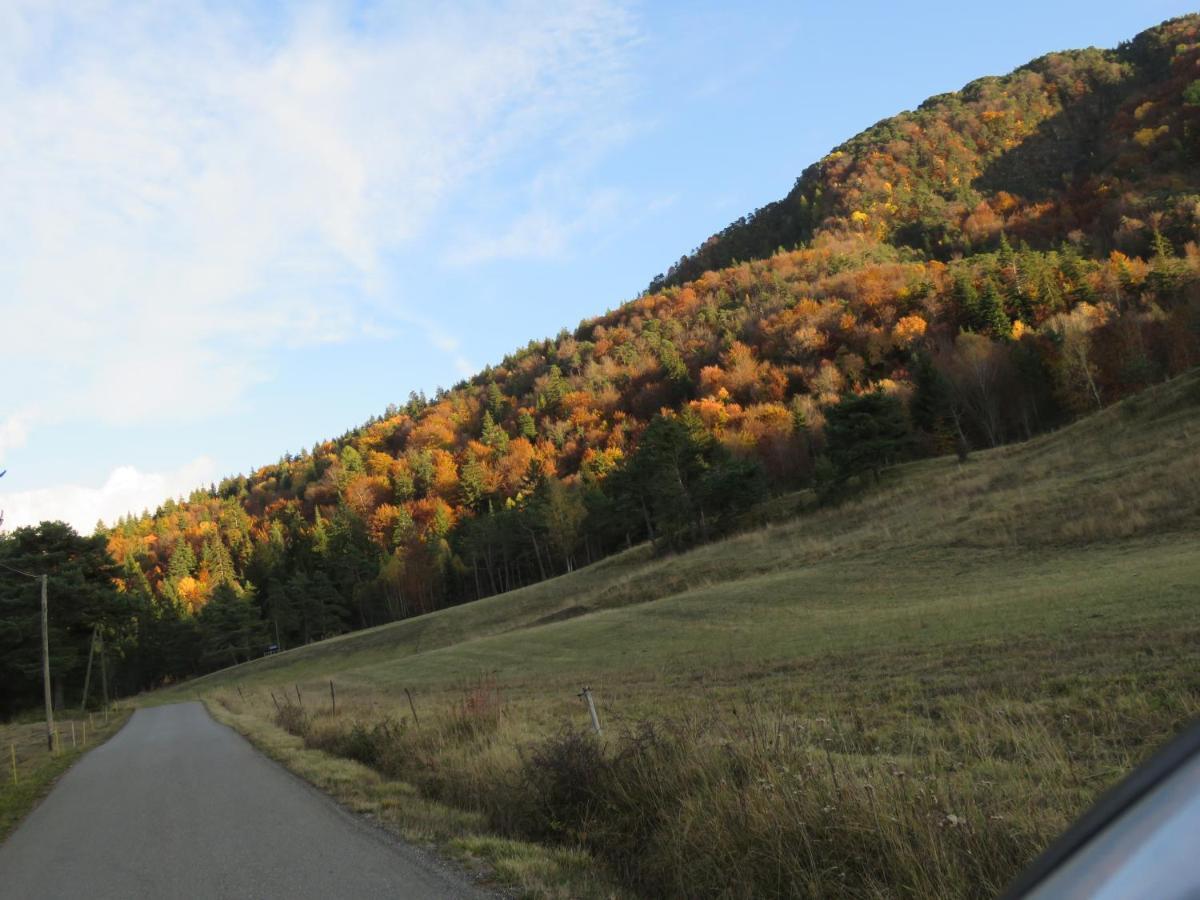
(26, 748)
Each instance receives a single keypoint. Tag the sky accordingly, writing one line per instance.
(233, 230)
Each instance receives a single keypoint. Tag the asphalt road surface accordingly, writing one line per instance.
(176, 805)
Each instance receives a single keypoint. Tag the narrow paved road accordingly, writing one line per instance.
(176, 805)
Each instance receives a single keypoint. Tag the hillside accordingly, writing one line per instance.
(667, 418)
(922, 685)
(1094, 146)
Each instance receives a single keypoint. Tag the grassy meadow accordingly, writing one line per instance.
(908, 694)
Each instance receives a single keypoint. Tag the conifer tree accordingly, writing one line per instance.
(493, 435)
(866, 433)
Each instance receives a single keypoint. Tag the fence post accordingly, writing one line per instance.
(413, 707)
(332, 696)
(586, 694)
(276, 702)
(299, 699)
(73, 744)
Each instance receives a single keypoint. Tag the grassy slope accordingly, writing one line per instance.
(1028, 616)
(941, 552)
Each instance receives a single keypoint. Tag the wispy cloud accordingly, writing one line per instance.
(187, 188)
(14, 431)
(540, 232)
(190, 189)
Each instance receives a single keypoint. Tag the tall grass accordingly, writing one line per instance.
(936, 789)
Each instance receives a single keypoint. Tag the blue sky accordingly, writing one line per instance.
(236, 230)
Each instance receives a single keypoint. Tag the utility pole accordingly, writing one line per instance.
(46, 667)
(87, 678)
(104, 673)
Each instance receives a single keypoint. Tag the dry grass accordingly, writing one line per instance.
(907, 695)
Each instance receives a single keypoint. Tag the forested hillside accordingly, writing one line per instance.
(996, 263)
(1097, 147)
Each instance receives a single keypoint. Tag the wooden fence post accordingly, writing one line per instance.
(299, 699)
(332, 696)
(586, 694)
(413, 707)
(73, 744)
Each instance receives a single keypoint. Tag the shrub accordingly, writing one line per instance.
(293, 720)
(478, 714)
(561, 781)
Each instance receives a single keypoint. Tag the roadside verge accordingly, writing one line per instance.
(30, 770)
(523, 868)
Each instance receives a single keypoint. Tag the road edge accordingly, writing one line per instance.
(431, 855)
(50, 775)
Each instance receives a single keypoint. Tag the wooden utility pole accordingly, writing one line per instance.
(104, 674)
(87, 677)
(46, 667)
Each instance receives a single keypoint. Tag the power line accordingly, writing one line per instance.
(18, 571)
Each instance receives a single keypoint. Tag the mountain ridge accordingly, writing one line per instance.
(1099, 82)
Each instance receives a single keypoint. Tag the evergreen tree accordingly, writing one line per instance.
(493, 435)
(216, 559)
(230, 626)
(83, 596)
(183, 562)
(866, 433)
(991, 316)
(471, 486)
(497, 403)
(526, 425)
(422, 474)
(968, 301)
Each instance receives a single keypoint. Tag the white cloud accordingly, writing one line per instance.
(14, 431)
(125, 490)
(187, 187)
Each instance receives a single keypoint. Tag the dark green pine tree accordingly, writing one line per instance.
(866, 433)
(932, 409)
(991, 317)
(967, 297)
(215, 557)
(183, 562)
(230, 626)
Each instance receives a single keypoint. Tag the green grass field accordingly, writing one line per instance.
(908, 694)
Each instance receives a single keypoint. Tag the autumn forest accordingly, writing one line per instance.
(990, 266)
